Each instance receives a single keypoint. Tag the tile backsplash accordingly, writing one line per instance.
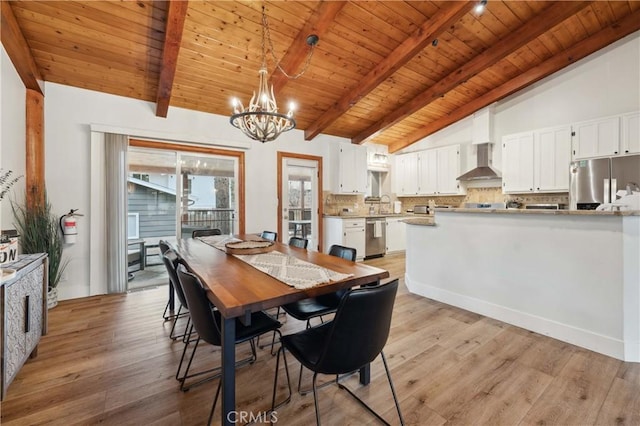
(335, 203)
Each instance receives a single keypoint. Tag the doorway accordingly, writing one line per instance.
(173, 190)
(300, 198)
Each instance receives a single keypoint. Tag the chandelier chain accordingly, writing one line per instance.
(265, 28)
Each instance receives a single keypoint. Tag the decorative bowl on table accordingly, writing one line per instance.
(249, 247)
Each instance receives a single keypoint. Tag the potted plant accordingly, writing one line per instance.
(38, 229)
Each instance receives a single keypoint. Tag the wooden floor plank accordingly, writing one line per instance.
(108, 360)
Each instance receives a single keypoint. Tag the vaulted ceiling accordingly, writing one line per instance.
(389, 72)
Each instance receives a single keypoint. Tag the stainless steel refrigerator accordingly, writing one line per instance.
(594, 182)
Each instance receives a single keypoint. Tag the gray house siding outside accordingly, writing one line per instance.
(156, 209)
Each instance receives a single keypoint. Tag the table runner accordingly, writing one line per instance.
(288, 269)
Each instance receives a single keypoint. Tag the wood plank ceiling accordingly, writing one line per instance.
(389, 72)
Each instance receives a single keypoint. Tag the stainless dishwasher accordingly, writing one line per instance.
(376, 238)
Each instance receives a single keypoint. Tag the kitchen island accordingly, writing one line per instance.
(571, 275)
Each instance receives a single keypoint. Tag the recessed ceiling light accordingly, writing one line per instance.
(480, 6)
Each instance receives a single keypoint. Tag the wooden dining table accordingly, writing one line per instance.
(238, 289)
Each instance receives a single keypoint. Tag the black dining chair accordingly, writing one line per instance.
(171, 259)
(208, 322)
(164, 246)
(205, 232)
(294, 242)
(355, 337)
(316, 307)
(306, 309)
(269, 235)
(298, 242)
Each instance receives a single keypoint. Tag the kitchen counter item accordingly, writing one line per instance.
(545, 207)
(485, 205)
(421, 209)
(397, 207)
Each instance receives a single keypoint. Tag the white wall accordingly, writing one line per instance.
(12, 133)
(70, 113)
(602, 84)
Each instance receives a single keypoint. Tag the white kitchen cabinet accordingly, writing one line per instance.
(552, 156)
(349, 232)
(536, 161)
(448, 162)
(429, 172)
(396, 234)
(596, 138)
(517, 162)
(407, 174)
(630, 143)
(351, 176)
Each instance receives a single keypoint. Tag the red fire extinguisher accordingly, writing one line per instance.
(68, 226)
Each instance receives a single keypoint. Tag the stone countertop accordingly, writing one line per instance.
(421, 221)
(367, 216)
(547, 212)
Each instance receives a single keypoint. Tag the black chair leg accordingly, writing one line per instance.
(215, 401)
(315, 398)
(275, 380)
(393, 391)
(216, 370)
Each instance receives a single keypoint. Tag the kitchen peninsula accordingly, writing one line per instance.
(571, 275)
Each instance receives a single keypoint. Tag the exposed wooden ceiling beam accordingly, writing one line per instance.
(421, 37)
(18, 50)
(549, 18)
(176, 14)
(597, 41)
(318, 24)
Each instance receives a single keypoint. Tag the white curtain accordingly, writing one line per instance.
(116, 206)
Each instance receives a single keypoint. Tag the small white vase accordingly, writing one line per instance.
(52, 298)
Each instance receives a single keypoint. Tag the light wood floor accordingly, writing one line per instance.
(108, 360)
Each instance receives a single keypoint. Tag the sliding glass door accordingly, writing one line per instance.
(208, 188)
(170, 194)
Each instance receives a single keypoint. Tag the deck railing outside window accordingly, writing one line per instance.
(207, 218)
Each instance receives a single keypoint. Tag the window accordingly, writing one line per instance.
(133, 225)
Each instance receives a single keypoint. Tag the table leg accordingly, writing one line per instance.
(228, 371)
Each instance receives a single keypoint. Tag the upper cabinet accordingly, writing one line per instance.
(351, 176)
(517, 162)
(536, 161)
(407, 174)
(429, 172)
(448, 170)
(552, 156)
(630, 133)
(596, 138)
(606, 137)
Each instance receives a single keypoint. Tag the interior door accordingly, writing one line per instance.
(299, 215)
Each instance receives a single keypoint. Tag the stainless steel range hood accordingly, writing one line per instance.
(483, 169)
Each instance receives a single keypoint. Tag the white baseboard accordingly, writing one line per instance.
(584, 338)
